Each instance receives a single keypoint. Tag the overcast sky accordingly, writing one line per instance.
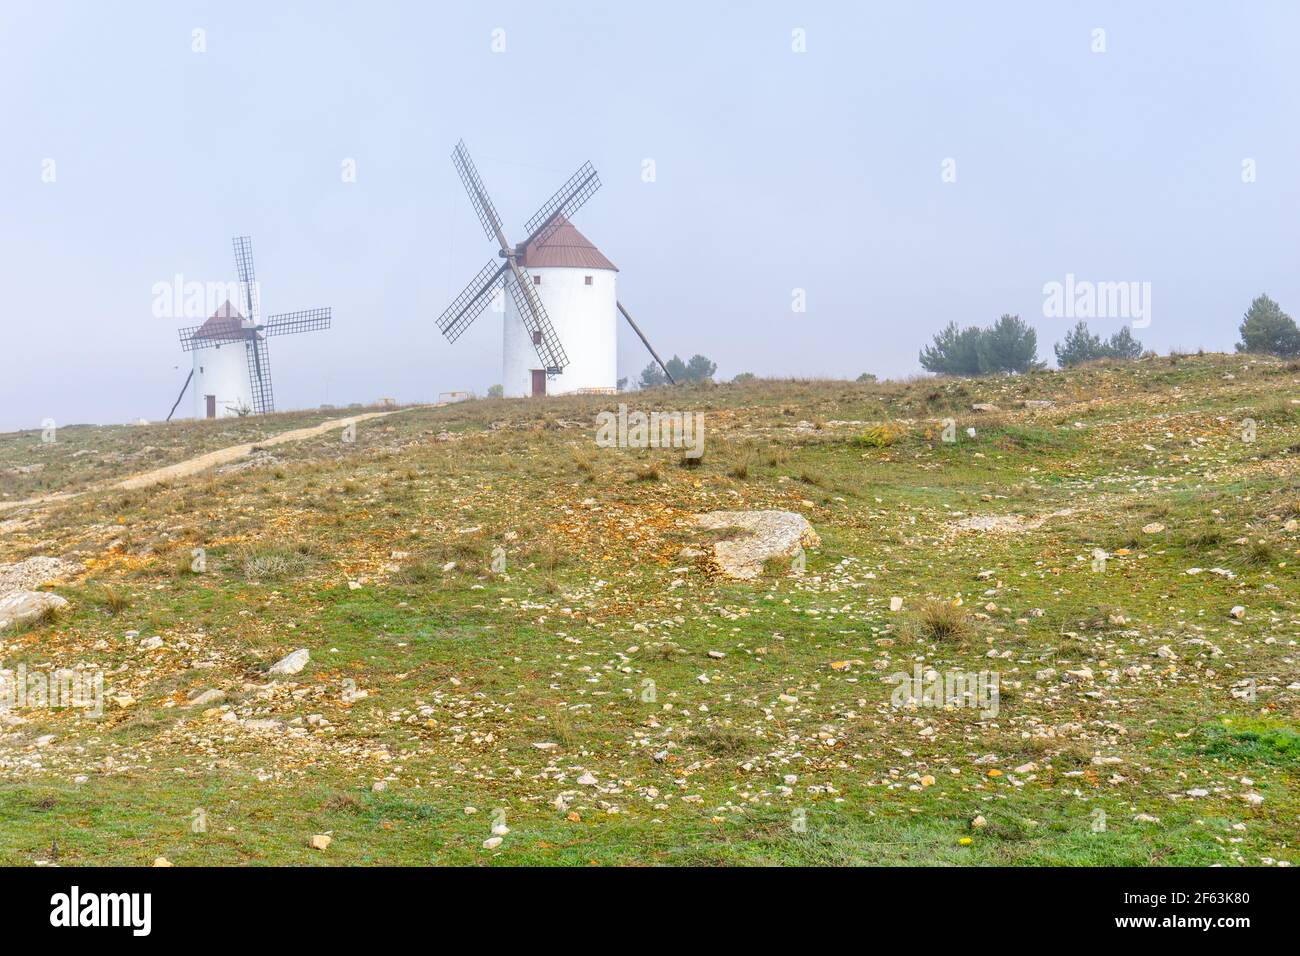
(775, 170)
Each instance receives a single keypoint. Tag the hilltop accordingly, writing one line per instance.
(515, 634)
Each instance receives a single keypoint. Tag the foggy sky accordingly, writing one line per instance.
(775, 170)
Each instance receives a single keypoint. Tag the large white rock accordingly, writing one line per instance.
(33, 572)
(19, 606)
(759, 535)
(292, 663)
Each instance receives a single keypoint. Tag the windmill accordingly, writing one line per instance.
(561, 317)
(236, 380)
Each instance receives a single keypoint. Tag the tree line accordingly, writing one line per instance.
(1010, 345)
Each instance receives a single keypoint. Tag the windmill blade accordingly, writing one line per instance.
(535, 319)
(469, 305)
(247, 280)
(259, 375)
(487, 213)
(190, 340)
(566, 201)
(291, 323)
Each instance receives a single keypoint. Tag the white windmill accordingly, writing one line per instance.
(562, 290)
(232, 370)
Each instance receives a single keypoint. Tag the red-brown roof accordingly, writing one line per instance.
(225, 323)
(565, 247)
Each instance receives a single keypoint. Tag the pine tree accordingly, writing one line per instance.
(1009, 345)
(1122, 345)
(954, 352)
(1266, 328)
(700, 369)
(1079, 346)
(652, 376)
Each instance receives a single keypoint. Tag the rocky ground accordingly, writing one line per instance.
(473, 636)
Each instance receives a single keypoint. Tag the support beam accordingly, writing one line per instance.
(646, 343)
(181, 395)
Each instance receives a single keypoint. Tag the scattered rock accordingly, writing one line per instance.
(207, 697)
(1154, 527)
(291, 663)
(259, 460)
(322, 841)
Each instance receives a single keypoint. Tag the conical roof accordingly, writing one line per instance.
(564, 248)
(226, 323)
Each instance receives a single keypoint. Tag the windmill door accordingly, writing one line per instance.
(212, 405)
(539, 381)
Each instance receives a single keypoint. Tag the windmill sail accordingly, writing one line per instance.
(247, 280)
(537, 322)
(483, 208)
(567, 200)
(259, 375)
(471, 303)
(291, 323)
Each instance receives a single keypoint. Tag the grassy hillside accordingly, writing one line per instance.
(611, 701)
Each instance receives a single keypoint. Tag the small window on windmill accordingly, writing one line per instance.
(537, 338)
(586, 280)
(537, 280)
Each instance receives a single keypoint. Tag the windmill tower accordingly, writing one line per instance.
(560, 329)
(232, 370)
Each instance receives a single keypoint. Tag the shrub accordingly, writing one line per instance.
(880, 436)
(943, 620)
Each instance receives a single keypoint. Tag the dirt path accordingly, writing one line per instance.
(193, 466)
